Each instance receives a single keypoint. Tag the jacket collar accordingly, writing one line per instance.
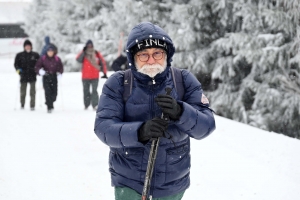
(147, 80)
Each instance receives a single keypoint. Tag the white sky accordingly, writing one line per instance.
(15, 0)
(12, 11)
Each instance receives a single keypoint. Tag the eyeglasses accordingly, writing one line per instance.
(144, 57)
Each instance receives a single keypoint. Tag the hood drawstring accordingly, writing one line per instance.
(153, 81)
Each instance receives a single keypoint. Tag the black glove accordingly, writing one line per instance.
(153, 128)
(169, 106)
(104, 76)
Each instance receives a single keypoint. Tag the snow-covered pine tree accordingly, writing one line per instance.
(36, 22)
(195, 25)
(71, 27)
(66, 22)
(124, 15)
(257, 67)
(245, 52)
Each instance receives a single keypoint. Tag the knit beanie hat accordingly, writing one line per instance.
(149, 43)
(27, 42)
(89, 42)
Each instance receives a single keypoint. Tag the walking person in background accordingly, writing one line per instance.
(92, 62)
(47, 42)
(50, 67)
(24, 65)
(120, 63)
(130, 112)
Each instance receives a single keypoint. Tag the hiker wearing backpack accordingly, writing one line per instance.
(50, 67)
(47, 42)
(24, 65)
(92, 62)
(130, 112)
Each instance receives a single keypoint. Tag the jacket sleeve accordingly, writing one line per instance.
(17, 62)
(197, 119)
(80, 57)
(38, 65)
(37, 56)
(109, 124)
(102, 62)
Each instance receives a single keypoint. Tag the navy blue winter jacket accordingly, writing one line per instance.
(117, 124)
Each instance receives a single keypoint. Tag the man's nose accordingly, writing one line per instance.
(151, 60)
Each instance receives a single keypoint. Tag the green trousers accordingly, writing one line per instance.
(125, 193)
(88, 96)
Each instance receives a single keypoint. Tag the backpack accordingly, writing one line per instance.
(176, 76)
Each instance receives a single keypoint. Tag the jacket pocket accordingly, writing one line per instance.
(126, 162)
(177, 163)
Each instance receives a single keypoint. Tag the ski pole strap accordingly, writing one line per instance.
(178, 81)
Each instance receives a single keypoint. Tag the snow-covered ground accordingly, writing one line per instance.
(57, 156)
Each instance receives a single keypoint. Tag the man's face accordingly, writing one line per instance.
(150, 61)
(28, 48)
(89, 46)
(50, 53)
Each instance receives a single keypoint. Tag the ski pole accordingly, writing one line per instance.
(61, 92)
(152, 158)
(40, 89)
(18, 92)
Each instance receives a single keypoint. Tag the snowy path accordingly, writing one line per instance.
(57, 156)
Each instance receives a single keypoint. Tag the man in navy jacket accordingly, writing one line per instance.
(128, 126)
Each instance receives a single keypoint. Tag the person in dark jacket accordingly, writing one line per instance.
(50, 67)
(24, 65)
(47, 42)
(92, 63)
(127, 126)
(120, 63)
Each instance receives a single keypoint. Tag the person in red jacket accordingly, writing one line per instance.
(92, 62)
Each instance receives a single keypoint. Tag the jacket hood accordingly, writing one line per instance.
(52, 47)
(47, 40)
(147, 30)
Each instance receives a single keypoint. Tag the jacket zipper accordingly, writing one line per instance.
(152, 115)
(151, 98)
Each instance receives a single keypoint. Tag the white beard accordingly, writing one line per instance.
(151, 70)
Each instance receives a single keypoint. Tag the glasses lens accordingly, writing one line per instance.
(143, 57)
(157, 55)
